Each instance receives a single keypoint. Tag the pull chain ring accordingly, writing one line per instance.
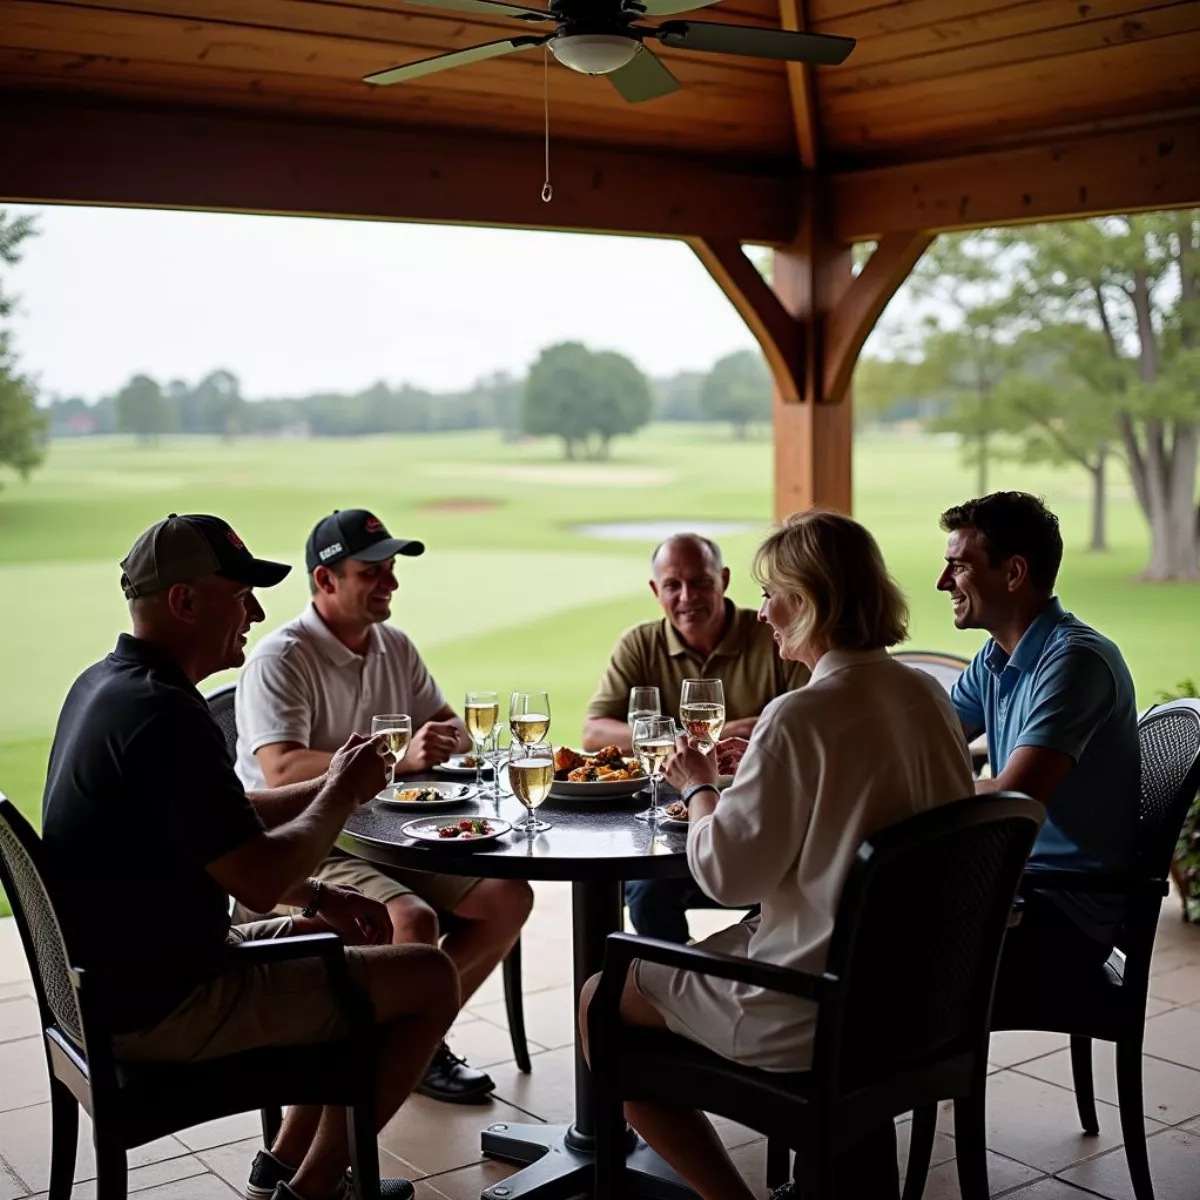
(547, 186)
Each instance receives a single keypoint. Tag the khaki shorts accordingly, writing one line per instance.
(249, 1007)
(445, 892)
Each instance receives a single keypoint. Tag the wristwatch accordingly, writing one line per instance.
(700, 787)
(318, 891)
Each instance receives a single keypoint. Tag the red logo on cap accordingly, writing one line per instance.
(372, 524)
(237, 541)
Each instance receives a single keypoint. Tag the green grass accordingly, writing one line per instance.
(512, 596)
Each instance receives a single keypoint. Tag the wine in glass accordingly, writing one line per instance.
(702, 712)
(530, 775)
(653, 743)
(643, 702)
(396, 731)
(529, 717)
(481, 716)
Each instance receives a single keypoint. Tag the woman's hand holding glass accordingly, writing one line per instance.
(689, 765)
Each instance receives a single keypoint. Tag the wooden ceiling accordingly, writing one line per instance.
(929, 79)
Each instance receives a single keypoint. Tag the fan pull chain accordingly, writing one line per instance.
(547, 186)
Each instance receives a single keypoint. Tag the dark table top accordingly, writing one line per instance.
(587, 842)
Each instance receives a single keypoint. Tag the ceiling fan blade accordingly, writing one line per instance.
(644, 77)
(460, 58)
(822, 48)
(492, 8)
(668, 8)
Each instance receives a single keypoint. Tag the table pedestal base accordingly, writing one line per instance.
(558, 1164)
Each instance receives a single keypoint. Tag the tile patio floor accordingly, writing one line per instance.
(1037, 1150)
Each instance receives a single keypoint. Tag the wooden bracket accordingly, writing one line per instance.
(835, 335)
(849, 323)
(778, 333)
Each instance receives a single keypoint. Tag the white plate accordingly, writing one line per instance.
(451, 794)
(454, 766)
(426, 830)
(565, 790)
(673, 823)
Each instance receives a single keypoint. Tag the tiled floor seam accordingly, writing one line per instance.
(11, 1170)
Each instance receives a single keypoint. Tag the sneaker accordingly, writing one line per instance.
(270, 1179)
(450, 1079)
(786, 1192)
(389, 1189)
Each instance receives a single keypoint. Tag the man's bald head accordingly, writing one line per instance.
(689, 580)
(689, 543)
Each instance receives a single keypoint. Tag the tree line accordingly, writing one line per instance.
(582, 396)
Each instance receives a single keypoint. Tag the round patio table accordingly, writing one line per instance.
(595, 848)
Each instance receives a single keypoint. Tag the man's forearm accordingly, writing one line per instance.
(295, 849)
(606, 731)
(278, 805)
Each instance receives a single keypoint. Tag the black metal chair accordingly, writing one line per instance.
(222, 705)
(945, 668)
(131, 1104)
(1110, 1005)
(903, 1004)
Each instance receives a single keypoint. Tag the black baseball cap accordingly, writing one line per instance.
(178, 549)
(354, 533)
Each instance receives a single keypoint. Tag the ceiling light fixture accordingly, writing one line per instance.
(594, 53)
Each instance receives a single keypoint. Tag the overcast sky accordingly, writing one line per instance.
(293, 305)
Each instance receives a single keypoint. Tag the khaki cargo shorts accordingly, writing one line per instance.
(248, 1007)
(445, 892)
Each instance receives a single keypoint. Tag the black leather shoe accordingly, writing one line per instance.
(450, 1079)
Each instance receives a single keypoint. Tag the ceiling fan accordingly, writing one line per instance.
(602, 37)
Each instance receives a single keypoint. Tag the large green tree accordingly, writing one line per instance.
(144, 410)
(1134, 283)
(737, 390)
(22, 426)
(584, 397)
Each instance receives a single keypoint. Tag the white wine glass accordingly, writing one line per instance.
(702, 712)
(531, 775)
(396, 731)
(529, 717)
(643, 702)
(481, 715)
(653, 743)
(497, 755)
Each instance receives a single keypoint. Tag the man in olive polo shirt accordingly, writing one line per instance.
(701, 635)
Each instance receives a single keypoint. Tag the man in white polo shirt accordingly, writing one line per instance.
(311, 683)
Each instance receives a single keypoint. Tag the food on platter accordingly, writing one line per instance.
(677, 811)
(420, 794)
(608, 765)
(467, 828)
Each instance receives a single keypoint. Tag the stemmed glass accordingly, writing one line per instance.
(482, 716)
(529, 717)
(497, 755)
(702, 712)
(530, 775)
(396, 731)
(643, 702)
(653, 743)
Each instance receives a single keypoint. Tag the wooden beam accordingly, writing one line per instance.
(851, 321)
(802, 90)
(773, 327)
(75, 150)
(1129, 170)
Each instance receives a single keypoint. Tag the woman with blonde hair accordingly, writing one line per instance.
(867, 743)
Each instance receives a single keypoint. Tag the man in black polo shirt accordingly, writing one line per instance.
(145, 820)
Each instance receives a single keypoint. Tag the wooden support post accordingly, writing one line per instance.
(811, 323)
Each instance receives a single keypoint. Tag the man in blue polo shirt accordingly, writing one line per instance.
(1056, 701)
